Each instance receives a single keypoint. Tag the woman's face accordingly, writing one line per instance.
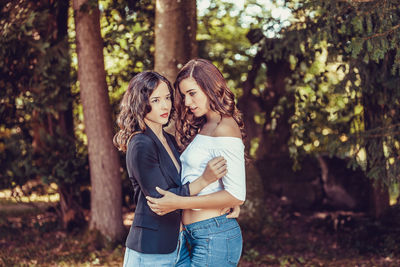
(195, 99)
(160, 102)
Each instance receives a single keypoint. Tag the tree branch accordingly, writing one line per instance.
(382, 33)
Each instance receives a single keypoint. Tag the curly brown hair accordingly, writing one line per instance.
(221, 98)
(135, 105)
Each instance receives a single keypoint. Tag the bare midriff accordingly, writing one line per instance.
(192, 216)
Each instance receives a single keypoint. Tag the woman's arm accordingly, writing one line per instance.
(215, 169)
(143, 162)
(234, 181)
(170, 202)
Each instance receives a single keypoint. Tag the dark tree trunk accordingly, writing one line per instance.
(253, 212)
(276, 134)
(71, 211)
(272, 159)
(249, 104)
(373, 118)
(106, 202)
(60, 123)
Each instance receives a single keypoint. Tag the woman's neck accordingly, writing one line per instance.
(156, 128)
(213, 117)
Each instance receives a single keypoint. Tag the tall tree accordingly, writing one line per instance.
(106, 209)
(175, 35)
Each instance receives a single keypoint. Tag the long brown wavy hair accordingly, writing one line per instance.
(221, 99)
(135, 105)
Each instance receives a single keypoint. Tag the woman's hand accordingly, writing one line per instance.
(232, 212)
(161, 206)
(216, 169)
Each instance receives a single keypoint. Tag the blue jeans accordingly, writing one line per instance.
(213, 242)
(133, 258)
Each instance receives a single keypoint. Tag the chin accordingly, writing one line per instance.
(198, 114)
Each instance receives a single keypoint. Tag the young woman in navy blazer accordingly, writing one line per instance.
(153, 161)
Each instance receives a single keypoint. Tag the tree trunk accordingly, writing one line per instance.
(249, 104)
(175, 35)
(106, 202)
(275, 137)
(59, 123)
(71, 211)
(373, 118)
(379, 199)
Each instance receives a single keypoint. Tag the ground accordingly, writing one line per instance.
(31, 236)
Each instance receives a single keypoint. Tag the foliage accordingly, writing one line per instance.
(127, 28)
(36, 97)
(222, 39)
(344, 57)
(128, 33)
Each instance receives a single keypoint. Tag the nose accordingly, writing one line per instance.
(188, 101)
(165, 104)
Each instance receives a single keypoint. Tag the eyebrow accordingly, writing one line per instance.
(155, 97)
(190, 90)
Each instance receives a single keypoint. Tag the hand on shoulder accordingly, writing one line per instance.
(227, 127)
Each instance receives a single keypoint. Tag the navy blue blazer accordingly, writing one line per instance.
(149, 165)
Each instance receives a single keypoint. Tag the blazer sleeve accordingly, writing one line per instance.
(144, 165)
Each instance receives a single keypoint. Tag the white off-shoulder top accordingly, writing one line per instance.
(202, 149)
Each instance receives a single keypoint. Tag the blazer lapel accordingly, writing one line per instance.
(166, 163)
(172, 145)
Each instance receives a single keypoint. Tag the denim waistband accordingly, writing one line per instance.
(212, 222)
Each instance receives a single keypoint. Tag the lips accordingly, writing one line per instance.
(165, 115)
(193, 109)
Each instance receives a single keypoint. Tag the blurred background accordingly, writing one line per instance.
(318, 83)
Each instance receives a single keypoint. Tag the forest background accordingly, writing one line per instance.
(318, 83)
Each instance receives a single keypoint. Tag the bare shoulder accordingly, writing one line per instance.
(228, 127)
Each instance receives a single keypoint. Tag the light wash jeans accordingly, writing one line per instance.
(133, 258)
(214, 242)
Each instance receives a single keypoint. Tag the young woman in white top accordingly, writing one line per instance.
(208, 125)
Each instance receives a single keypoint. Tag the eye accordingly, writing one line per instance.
(192, 93)
(155, 100)
(168, 97)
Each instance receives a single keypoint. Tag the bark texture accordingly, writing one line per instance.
(106, 202)
(175, 35)
(374, 118)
